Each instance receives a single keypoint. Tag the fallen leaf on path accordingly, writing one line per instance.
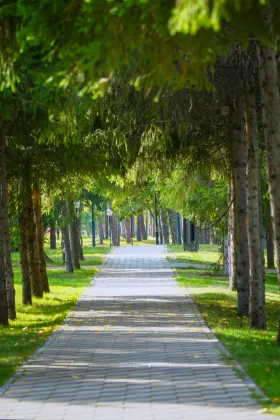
(97, 331)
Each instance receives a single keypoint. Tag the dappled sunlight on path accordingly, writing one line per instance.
(133, 348)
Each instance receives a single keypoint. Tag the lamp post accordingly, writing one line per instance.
(110, 214)
(156, 221)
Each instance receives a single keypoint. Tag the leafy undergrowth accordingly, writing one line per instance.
(207, 254)
(34, 324)
(256, 351)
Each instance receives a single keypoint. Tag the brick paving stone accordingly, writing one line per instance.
(134, 347)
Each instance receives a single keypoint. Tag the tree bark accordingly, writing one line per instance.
(65, 237)
(232, 256)
(40, 236)
(256, 275)
(25, 273)
(173, 225)
(270, 245)
(52, 234)
(138, 232)
(128, 230)
(3, 289)
(74, 240)
(143, 228)
(271, 117)
(106, 233)
(32, 244)
(165, 227)
(239, 182)
(100, 231)
(114, 227)
(152, 226)
(5, 224)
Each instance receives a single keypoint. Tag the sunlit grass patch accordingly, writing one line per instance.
(255, 350)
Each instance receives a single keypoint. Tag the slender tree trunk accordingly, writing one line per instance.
(32, 244)
(5, 224)
(165, 227)
(40, 236)
(173, 225)
(114, 227)
(239, 182)
(256, 275)
(128, 230)
(232, 255)
(100, 231)
(65, 237)
(226, 256)
(3, 289)
(52, 234)
(74, 243)
(270, 245)
(138, 233)
(57, 234)
(25, 274)
(106, 226)
(147, 223)
(152, 226)
(143, 227)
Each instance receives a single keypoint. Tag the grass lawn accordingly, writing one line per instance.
(34, 324)
(255, 350)
(207, 254)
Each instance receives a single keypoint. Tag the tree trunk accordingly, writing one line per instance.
(5, 225)
(138, 232)
(25, 273)
(32, 244)
(152, 226)
(143, 228)
(232, 256)
(3, 289)
(271, 116)
(239, 182)
(173, 225)
(78, 219)
(226, 256)
(40, 236)
(65, 237)
(52, 234)
(128, 230)
(256, 276)
(147, 223)
(100, 231)
(165, 227)
(270, 245)
(114, 228)
(106, 226)
(74, 243)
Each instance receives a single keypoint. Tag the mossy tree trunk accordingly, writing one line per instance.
(128, 230)
(52, 234)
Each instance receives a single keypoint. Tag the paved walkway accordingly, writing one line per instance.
(134, 348)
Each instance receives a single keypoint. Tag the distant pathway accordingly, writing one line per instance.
(133, 348)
